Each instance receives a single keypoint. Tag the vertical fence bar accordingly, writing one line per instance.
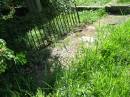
(58, 25)
(78, 18)
(46, 38)
(33, 39)
(62, 12)
(40, 36)
(69, 17)
(28, 40)
(37, 40)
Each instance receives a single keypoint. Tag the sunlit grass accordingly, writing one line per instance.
(91, 16)
(92, 2)
(124, 1)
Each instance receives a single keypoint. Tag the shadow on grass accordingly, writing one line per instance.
(23, 81)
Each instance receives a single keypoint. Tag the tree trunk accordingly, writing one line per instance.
(31, 6)
(39, 6)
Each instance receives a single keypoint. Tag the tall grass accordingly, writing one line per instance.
(101, 71)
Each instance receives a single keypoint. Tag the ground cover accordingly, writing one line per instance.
(92, 2)
(101, 71)
(88, 17)
(123, 1)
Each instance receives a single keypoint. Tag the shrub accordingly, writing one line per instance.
(8, 57)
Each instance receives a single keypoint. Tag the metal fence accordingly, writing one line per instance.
(36, 32)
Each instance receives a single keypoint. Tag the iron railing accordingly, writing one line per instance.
(36, 32)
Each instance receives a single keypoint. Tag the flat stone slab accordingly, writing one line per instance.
(114, 9)
(118, 9)
(112, 20)
(81, 8)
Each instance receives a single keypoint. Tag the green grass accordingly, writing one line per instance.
(124, 1)
(102, 71)
(92, 2)
(88, 17)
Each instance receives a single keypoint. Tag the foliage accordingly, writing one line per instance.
(8, 58)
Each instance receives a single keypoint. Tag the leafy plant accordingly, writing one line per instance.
(8, 57)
